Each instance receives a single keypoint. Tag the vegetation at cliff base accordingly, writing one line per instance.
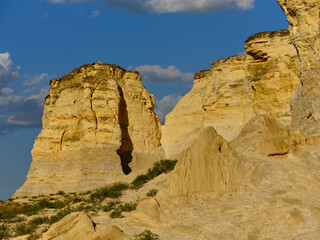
(15, 214)
(126, 207)
(113, 191)
(147, 235)
(164, 166)
(3, 232)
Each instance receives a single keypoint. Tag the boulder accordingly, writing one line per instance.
(79, 226)
(264, 136)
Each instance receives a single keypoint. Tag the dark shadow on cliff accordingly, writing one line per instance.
(125, 150)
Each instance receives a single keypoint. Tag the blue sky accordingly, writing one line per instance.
(166, 40)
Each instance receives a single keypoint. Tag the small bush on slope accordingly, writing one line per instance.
(113, 191)
(3, 232)
(127, 207)
(10, 210)
(152, 192)
(147, 235)
(164, 166)
(23, 229)
(110, 206)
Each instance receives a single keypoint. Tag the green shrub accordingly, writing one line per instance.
(58, 204)
(61, 214)
(17, 219)
(113, 191)
(45, 229)
(146, 235)
(23, 229)
(152, 192)
(110, 206)
(164, 166)
(77, 199)
(127, 207)
(61, 193)
(39, 220)
(79, 208)
(116, 213)
(4, 233)
(9, 210)
(44, 203)
(33, 236)
(139, 181)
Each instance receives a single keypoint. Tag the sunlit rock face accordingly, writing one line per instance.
(236, 89)
(99, 127)
(209, 164)
(303, 17)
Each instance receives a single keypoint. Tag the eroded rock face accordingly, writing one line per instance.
(80, 226)
(264, 185)
(304, 20)
(210, 164)
(236, 89)
(98, 125)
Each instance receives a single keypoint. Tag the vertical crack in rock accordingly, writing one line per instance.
(61, 139)
(126, 147)
(91, 106)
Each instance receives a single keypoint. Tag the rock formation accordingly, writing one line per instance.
(79, 226)
(265, 136)
(304, 20)
(98, 125)
(210, 164)
(236, 89)
(266, 188)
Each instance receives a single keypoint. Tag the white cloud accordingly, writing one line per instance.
(20, 108)
(197, 6)
(36, 79)
(157, 73)
(39, 97)
(166, 104)
(12, 121)
(8, 96)
(172, 6)
(58, 1)
(95, 13)
(7, 72)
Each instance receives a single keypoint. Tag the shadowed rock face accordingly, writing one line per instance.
(304, 20)
(236, 89)
(99, 125)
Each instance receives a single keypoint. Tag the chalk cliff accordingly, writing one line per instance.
(98, 126)
(236, 89)
(304, 20)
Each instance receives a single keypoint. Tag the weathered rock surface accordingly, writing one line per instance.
(236, 89)
(265, 136)
(210, 164)
(304, 20)
(98, 125)
(147, 213)
(79, 226)
(268, 192)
